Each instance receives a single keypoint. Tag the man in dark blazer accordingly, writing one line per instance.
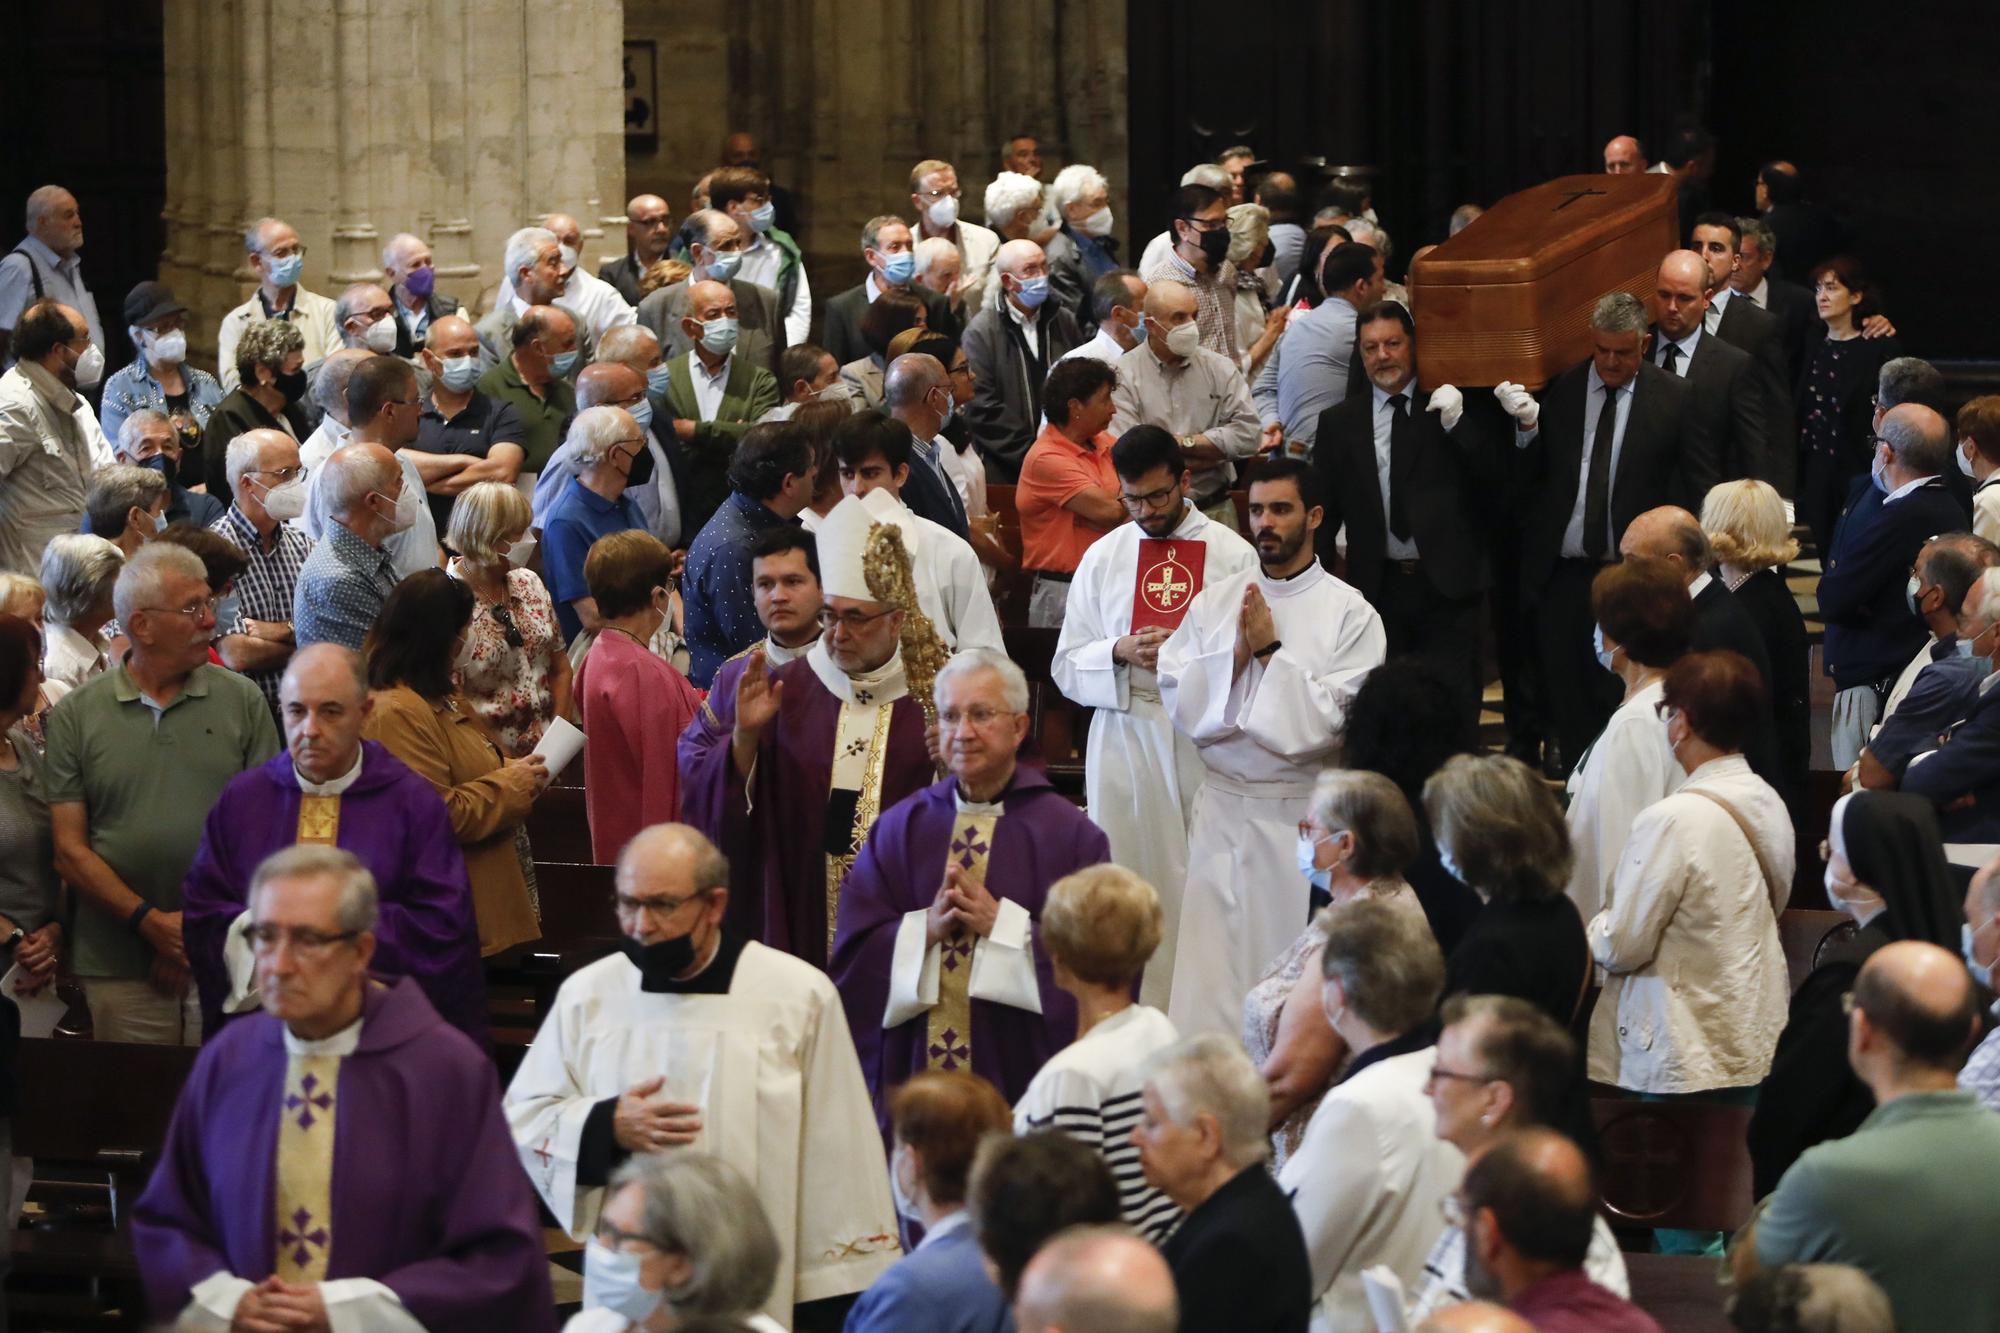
(887, 246)
(1239, 1258)
(649, 232)
(1962, 775)
(1729, 395)
(1404, 470)
(1743, 323)
(1575, 499)
(409, 273)
(1789, 304)
(716, 254)
(916, 390)
(707, 441)
(1010, 347)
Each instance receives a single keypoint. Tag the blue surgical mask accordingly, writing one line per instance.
(950, 406)
(1451, 866)
(1319, 877)
(897, 269)
(1964, 462)
(642, 412)
(719, 334)
(659, 377)
(762, 216)
(459, 373)
(1604, 654)
(611, 1282)
(284, 272)
(1981, 972)
(1139, 330)
(159, 523)
(1032, 292)
(1878, 472)
(227, 610)
(562, 363)
(722, 265)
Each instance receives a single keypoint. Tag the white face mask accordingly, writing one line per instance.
(611, 1282)
(521, 551)
(406, 510)
(906, 1205)
(380, 337)
(90, 367)
(1964, 461)
(1183, 341)
(167, 349)
(943, 213)
(286, 502)
(1098, 223)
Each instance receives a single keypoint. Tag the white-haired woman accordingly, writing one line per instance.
(1746, 524)
(1013, 203)
(938, 268)
(1083, 248)
(1258, 326)
(682, 1236)
(604, 442)
(513, 669)
(78, 574)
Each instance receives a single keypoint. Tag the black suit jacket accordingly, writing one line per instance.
(439, 305)
(624, 273)
(1730, 399)
(1722, 622)
(1667, 458)
(927, 495)
(1762, 334)
(840, 324)
(1239, 1260)
(1791, 306)
(1450, 469)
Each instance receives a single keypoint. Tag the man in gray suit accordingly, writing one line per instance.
(534, 266)
(717, 252)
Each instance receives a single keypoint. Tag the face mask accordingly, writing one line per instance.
(227, 610)
(1860, 903)
(719, 335)
(1183, 341)
(286, 502)
(562, 363)
(611, 1282)
(420, 282)
(159, 522)
(943, 213)
(905, 1205)
(292, 384)
(642, 412)
(163, 465)
(1032, 292)
(406, 510)
(1981, 972)
(897, 268)
(1098, 223)
(950, 406)
(1604, 654)
(380, 337)
(167, 349)
(1964, 463)
(659, 377)
(459, 373)
(284, 272)
(566, 257)
(723, 264)
(762, 216)
(1319, 877)
(1450, 866)
(1911, 592)
(661, 962)
(521, 551)
(1878, 472)
(836, 392)
(90, 367)
(1214, 246)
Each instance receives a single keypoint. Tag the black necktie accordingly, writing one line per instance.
(1400, 445)
(1747, 298)
(1671, 358)
(1597, 488)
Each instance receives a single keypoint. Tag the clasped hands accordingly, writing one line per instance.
(961, 901)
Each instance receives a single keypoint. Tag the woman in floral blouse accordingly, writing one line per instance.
(513, 669)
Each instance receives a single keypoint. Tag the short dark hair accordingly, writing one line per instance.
(1404, 723)
(1024, 1190)
(1282, 201)
(1924, 1035)
(1318, 241)
(1110, 292)
(800, 362)
(410, 641)
(865, 434)
(1784, 186)
(1955, 562)
(41, 328)
(221, 559)
(376, 381)
(1394, 311)
(1143, 448)
(1720, 693)
(622, 569)
(1074, 379)
(1190, 200)
(1541, 1216)
(1296, 470)
(1643, 606)
(888, 315)
(1715, 217)
(1346, 264)
(1521, 1046)
(785, 537)
(1848, 271)
(768, 454)
(20, 648)
(726, 185)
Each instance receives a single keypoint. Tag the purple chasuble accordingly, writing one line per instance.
(776, 843)
(1040, 837)
(397, 824)
(429, 1198)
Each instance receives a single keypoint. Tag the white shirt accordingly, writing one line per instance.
(1593, 406)
(965, 471)
(1385, 418)
(708, 386)
(951, 586)
(601, 306)
(1626, 769)
(762, 259)
(68, 658)
(1684, 355)
(1102, 347)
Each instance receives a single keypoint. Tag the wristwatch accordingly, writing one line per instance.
(15, 936)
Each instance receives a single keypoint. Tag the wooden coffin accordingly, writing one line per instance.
(1509, 298)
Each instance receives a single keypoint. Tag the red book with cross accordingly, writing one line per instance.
(1168, 579)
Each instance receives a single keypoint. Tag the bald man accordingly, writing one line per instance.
(1010, 347)
(649, 235)
(464, 437)
(411, 272)
(329, 786)
(1729, 398)
(1624, 157)
(1928, 1239)
(1096, 1280)
(718, 242)
(349, 575)
(46, 265)
(715, 392)
(598, 305)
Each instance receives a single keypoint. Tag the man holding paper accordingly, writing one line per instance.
(1131, 589)
(331, 788)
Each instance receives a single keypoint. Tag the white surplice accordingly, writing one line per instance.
(1140, 776)
(950, 582)
(782, 1099)
(1264, 736)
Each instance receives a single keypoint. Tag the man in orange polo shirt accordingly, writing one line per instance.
(1068, 492)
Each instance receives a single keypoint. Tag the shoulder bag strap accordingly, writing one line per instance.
(1771, 885)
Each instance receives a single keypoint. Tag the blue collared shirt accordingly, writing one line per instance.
(576, 521)
(718, 595)
(341, 589)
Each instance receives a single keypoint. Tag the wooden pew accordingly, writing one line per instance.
(1673, 1164)
(1808, 936)
(1058, 727)
(559, 827)
(1681, 1291)
(578, 928)
(1011, 587)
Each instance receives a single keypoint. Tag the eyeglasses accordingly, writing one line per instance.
(935, 195)
(1453, 1209)
(1440, 1072)
(979, 715)
(303, 939)
(851, 621)
(283, 474)
(660, 908)
(205, 607)
(1206, 224)
(505, 620)
(1150, 500)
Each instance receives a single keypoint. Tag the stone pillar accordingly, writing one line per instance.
(353, 120)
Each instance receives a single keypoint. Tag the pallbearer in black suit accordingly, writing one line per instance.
(1729, 390)
(1757, 282)
(1610, 438)
(1402, 469)
(1744, 321)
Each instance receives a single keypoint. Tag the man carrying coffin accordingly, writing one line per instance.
(787, 771)
(1258, 676)
(338, 1161)
(936, 957)
(691, 1036)
(1132, 587)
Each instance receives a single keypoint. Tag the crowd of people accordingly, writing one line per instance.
(1293, 1018)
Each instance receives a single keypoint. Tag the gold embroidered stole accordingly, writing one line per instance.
(860, 747)
(319, 819)
(948, 1042)
(305, 1166)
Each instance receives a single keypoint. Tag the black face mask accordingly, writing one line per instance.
(642, 468)
(1214, 246)
(163, 465)
(292, 384)
(660, 962)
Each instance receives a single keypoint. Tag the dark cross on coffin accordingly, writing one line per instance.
(1571, 196)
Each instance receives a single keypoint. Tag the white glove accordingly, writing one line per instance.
(1448, 403)
(1518, 404)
